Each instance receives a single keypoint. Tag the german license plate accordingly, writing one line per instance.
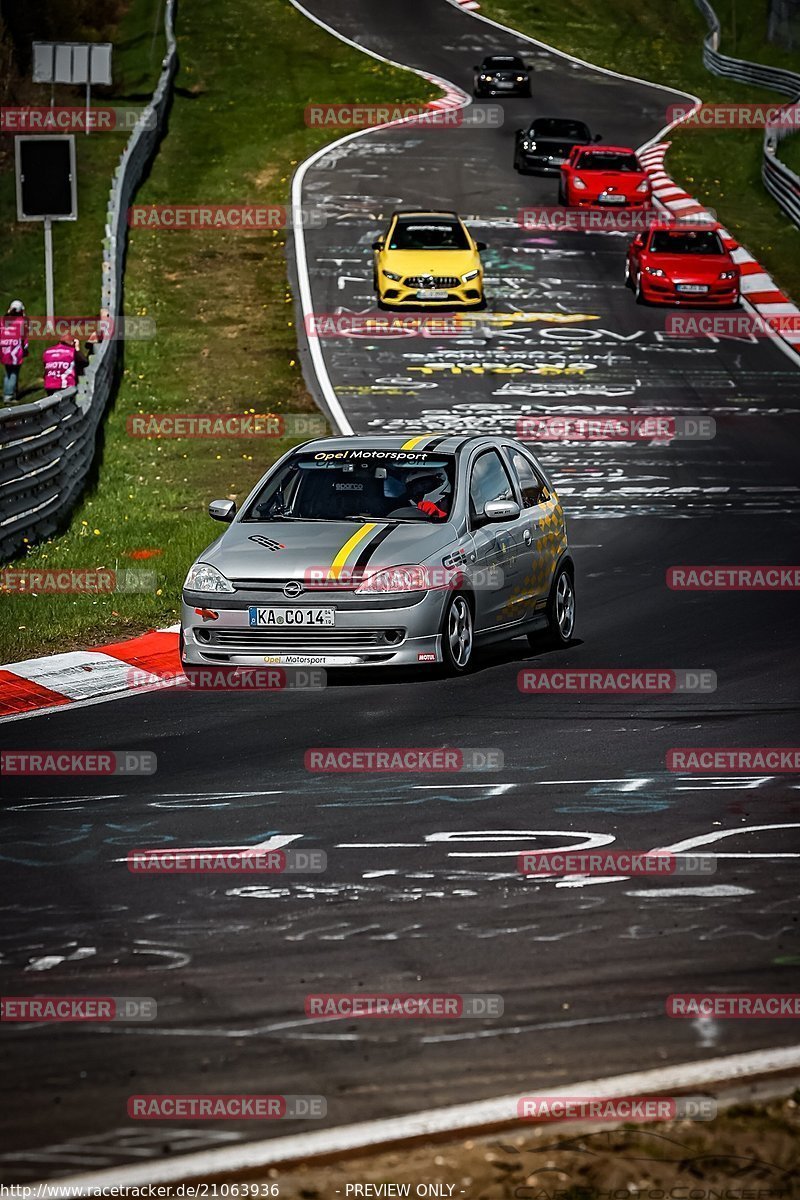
(431, 294)
(692, 287)
(612, 199)
(293, 618)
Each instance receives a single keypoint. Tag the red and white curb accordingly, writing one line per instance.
(48, 683)
(470, 5)
(759, 289)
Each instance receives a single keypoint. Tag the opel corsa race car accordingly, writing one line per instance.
(361, 551)
(428, 259)
(682, 266)
(604, 177)
(547, 144)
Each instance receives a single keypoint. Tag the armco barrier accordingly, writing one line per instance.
(782, 183)
(47, 447)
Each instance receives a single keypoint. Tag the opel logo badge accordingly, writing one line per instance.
(292, 588)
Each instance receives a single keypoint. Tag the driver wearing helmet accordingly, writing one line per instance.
(428, 491)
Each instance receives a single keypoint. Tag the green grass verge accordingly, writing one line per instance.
(663, 43)
(138, 51)
(226, 340)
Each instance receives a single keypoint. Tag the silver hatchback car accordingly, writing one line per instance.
(362, 551)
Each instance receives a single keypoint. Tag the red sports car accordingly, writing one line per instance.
(604, 177)
(682, 266)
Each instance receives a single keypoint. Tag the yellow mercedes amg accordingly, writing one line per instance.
(430, 260)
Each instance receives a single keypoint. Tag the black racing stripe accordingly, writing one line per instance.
(368, 551)
(437, 441)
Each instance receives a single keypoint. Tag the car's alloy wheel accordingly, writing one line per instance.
(560, 613)
(458, 637)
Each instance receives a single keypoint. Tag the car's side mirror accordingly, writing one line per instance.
(480, 246)
(378, 245)
(501, 510)
(639, 240)
(732, 246)
(222, 510)
(598, 137)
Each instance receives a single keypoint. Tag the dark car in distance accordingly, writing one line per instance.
(502, 75)
(547, 143)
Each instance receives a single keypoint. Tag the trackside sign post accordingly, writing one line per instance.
(46, 190)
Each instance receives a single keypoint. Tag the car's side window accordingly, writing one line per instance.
(531, 486)
(488, 481)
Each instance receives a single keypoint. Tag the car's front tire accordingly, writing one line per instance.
(560, 613)
(639, 291)
(458, 635)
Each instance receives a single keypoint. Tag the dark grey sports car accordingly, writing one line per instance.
(367, 550)
(547, 143)
(502, 75)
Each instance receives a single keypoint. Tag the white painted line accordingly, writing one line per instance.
(452, 1120)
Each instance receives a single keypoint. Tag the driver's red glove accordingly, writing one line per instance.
(433, 510)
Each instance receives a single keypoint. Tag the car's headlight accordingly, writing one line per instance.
(395, 579)
(391, 275)
(520, 79)
(728, 274)
(486, 78)
(203, 577)
(655, 271)
(644, 186)
(578, 183)
(470, 275)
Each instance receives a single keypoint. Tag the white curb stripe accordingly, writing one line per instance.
(78, 675)
(452, 1120)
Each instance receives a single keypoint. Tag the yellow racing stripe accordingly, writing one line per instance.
(350, 544)
(415, 441)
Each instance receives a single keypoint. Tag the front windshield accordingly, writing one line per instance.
(602, 160)
(348, 485)
(701, 241)
(552, 127)
(428, 234)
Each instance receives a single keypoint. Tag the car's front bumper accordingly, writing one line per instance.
(577, 199)
(366, 632)
(482, 90)
(396, 295)
(541, 164)
(664, 291)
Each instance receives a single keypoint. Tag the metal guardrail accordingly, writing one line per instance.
(781, 182)
(47, 447)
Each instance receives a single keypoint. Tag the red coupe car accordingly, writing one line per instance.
(682, 266)
(604, 177)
